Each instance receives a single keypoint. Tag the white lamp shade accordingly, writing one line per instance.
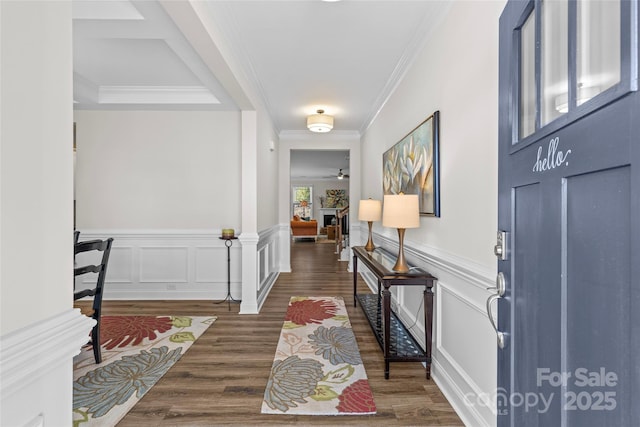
(319, 122)
(401, 211)
(370, 210)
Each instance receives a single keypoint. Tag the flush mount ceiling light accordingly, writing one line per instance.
(320, 122)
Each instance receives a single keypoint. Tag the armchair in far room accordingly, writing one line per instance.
(304, 229)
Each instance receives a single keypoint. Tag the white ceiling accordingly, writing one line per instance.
(345, 57)
(318, 164)
(130, 55)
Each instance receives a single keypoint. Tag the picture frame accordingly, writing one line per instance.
(336, 198)
(412, 166)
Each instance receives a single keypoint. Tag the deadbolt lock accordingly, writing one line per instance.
(500, 249)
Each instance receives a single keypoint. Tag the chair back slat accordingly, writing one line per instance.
(84, 293)
(103, 246)
(87, 269)
(92, 245)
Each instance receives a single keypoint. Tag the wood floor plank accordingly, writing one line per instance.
(220, 381)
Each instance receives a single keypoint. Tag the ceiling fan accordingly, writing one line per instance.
(342, 175)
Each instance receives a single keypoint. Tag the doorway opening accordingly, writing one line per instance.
(319, 181)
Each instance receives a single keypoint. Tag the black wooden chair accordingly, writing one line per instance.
(103, 246)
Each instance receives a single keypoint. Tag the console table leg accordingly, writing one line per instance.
(428, 325)
(377, 310)
(355, 280)
(386, 311)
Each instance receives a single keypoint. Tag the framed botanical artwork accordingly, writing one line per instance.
(411, 166)
(336, 199)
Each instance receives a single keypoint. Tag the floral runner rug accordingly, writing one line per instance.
(317, 368)
(136, 352)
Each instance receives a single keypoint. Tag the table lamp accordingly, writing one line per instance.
(401, 211)
(370, 210)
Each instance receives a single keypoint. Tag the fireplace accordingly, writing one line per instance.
(328, 220)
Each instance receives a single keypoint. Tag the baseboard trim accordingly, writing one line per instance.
(454, 394)
(266, 288)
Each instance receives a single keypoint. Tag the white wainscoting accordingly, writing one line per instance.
(464, 352)
(181, 264)
(168, 264)
(36, 367)
(268, 261)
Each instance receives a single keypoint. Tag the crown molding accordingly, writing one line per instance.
(156, 95)
(84, 90)
(430, 23)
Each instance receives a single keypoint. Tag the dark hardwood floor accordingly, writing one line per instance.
(220, 381)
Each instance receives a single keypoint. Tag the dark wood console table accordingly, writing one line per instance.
(395, 340)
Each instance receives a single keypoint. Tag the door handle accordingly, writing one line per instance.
(501, 285)
(500, 289)
(499, 335)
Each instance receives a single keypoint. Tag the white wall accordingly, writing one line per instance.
(267, 173)
(36, 169)
(39, 330)
(457, 74)
(158, 170)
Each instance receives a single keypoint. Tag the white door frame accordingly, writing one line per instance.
(349, 141)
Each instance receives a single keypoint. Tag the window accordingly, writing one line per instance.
(528, 77)
(574, 57)
(303, 201)
(554, 71)
(598, 47)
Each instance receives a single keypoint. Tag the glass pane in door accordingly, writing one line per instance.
(555, 60)
(598, 47)
(528, 77)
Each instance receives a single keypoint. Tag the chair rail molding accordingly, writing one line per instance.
(30, 357)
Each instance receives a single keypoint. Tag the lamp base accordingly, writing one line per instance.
(401, 264)
(369, 247)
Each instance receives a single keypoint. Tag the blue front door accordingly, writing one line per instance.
(569, 204)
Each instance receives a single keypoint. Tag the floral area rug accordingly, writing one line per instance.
(317, 368)
(136, 352)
